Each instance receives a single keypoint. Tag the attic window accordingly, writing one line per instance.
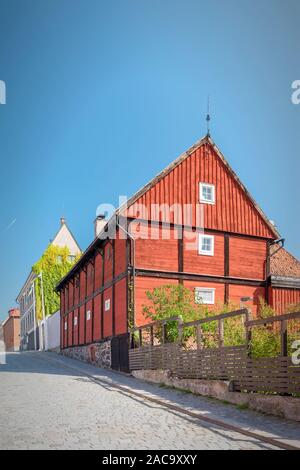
(207, 193)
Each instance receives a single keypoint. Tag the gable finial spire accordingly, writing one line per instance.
(208, 117)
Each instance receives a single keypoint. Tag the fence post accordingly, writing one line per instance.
(180, 331)
(140, 338)
(248, 334)
(283, 337)
(163, 333)
(221, 333)
(199, 336)
(151, 336)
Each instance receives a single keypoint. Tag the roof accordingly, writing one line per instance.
(204, 140)
(283, 264)
(61, 240)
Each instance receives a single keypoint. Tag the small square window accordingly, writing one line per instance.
(204, 295)
(107, 305)
(206, 245)
(207, 193)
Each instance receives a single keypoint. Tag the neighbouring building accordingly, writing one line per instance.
(284, 279)
(229, 251)
(33, 334)
(11, 330)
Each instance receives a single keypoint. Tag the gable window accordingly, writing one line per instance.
(204, 295)
(206, 245)
(207, 193)
(107, 305)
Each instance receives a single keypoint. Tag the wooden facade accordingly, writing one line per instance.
(104, 294)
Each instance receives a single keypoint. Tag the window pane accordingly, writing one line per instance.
(204, 296)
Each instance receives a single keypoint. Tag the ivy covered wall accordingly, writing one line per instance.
(54, 264)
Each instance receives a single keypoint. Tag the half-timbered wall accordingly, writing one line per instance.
(102, 281)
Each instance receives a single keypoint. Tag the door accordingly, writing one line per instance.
(120, 353)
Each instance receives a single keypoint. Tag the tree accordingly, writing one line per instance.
(172, 301)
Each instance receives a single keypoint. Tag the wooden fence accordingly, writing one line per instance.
(150, 349)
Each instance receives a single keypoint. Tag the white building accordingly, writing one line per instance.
(33, 333)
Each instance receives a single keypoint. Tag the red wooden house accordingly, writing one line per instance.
(195, 223)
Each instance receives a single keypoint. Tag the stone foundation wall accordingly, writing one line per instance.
(98, 354)
(285, 407)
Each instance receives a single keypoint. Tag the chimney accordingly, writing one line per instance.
(14, 312)
(62, 221)
(99, 224)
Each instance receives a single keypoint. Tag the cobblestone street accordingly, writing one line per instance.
(47, 402)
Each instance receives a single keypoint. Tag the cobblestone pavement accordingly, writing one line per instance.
(47, 402)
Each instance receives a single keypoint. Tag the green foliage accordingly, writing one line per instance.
(175, 300)
(54, 264)
(264, 309)
(265, 341)
(178, 301)
(171, 301)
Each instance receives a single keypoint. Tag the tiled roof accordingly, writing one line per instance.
(282, 263)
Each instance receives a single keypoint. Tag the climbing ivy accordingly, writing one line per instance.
(53, 264)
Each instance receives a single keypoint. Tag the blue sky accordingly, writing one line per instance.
(102, 95)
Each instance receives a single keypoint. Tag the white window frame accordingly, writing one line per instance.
(88, 315)
(204, 252)
(206, 289)
(107, 305)
(202, 199)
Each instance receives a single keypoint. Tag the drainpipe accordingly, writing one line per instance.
(268, 272)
